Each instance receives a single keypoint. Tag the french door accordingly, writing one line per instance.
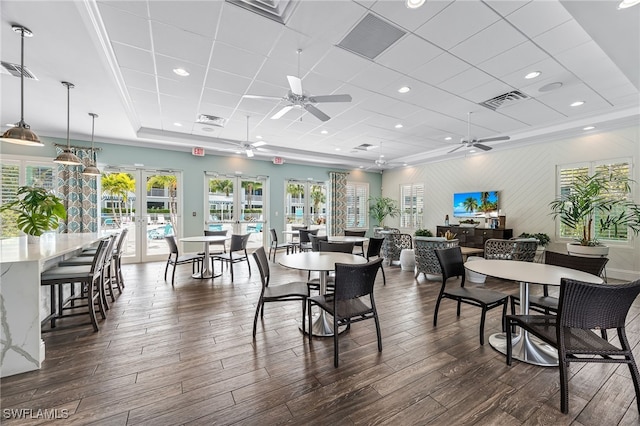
(237, 204)
(148, 203)
(305, 204)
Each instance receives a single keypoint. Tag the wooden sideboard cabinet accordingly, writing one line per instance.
(475, 237)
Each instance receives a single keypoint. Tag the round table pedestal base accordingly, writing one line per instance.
(526, 348)
(322, 325)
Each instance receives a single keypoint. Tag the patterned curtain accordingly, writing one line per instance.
(80, 195)
(337, 203)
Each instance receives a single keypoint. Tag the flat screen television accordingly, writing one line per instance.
(475, 204)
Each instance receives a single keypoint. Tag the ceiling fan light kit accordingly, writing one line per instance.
(67, 157)
(21, 133)
(470, 142)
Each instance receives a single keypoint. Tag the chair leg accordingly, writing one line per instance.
(231, 267)
(102, 308)
(335, 342)
(435, 314)
(304, 312)
(309, 329)
(482, 319)
(166, 268)
(91, 305)
(458, 309)
(375, 318)
(173, 275)
(633, 369)
(504, 315)
(564, 385)
(255, 318)
(509, 342)
(384, 278)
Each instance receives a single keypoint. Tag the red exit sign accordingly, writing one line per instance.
(278, 160)
(197, 151)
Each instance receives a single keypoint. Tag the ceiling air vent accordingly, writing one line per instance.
(277, 10)
(371, 36)
(16, 70)
(211, 120)
(504, 100)
(365, 147)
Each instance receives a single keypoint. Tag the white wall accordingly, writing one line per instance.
(525, 177)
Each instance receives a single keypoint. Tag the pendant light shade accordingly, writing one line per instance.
(91, 169)
(21, 134)
(67, 157)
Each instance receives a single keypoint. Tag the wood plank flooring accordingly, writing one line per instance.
(184, 355)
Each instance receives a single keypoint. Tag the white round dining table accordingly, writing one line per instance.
(205, 272)
(322, 262)
(527, 348)
(346, 239)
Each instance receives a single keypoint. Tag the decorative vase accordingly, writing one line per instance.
(576, 249)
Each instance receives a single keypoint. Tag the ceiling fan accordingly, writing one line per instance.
(470, 142)
(296, 98)
(381, 162)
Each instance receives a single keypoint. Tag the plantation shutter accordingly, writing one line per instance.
(619, 193)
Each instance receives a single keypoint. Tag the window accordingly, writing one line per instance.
(19, 172)
(357, 205)
(411, 205)
(567, 174)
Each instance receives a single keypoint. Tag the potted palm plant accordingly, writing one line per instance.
(598, 201)
(381, 207)
(37, 211)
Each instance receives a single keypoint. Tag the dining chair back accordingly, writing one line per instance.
(373, 250)
(396, 243)
(517, 249)
(237, 252)
(584, 307)
(221, 245)
(175, 259)
(279, 293)
(337, 247)
(352, 233)
(274, 246)
(351, 301)
(315, 241)
(304, 241)
(452, 265)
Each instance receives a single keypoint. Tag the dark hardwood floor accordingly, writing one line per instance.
(185, 355)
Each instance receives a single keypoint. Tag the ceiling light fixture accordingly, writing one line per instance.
(67, 157)
(532, 74)
(91, 169)
(414, 4)
(21, 133)
(448, 138)
(404, 89)
(399, 126)
(588, 128)
(177, 124)
(627, 3)
(181, 72)
(577, 103)
(324, 132)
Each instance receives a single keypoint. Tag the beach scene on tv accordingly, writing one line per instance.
(475, 204)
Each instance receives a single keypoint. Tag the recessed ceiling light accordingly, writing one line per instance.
(399, 126)
(414, 4)
(259, 143)
(405, 164)
(337, 149)
(404, 89)
(532, 74)
(472, 151)
(627, 3)
(588, 128)
(324, 132)
(448, 138)
(549, 87)
(577, 103)
(362, 167)
(258, 137)
(207, 129)
(177, 124)
(181, 72)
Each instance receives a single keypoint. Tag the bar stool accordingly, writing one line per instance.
(89, 277)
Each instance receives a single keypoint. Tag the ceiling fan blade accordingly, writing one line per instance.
(315, 111)
(482, 147)
(330, 98)
(275, 98)
(282, 112)
(456, 148)
(498, 138)
(296, 85)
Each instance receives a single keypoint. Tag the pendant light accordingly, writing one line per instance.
(21, 134)
(91, 169)
(67, 157)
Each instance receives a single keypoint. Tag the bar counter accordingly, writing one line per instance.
(22, 300)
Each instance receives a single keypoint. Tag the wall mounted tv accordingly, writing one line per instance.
(475, 204)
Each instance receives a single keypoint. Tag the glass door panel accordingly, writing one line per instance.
(162, 215)
(306, 205)
(119, 208)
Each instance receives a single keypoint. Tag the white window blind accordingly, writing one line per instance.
(411, 205)
(357, 205)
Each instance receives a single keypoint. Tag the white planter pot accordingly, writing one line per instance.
(475, 277)
(33, 239)
(407, 260)
(587, 251)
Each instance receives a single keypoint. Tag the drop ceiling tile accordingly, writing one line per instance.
(465, 81)
(198, 17)
(266, 89)
(493, 40)
(165, 66)
(487, 91)
(410, 19)
(375, 77)
(135, 7)
(408, 53)
(177, 43)
(440, 69)
(178, 109)
(179, 89)
(275, 72)
(226, 82)
(133, 58)
(551, 71)
(531, 112)
(565, 36)
(215, 110)
(235, 61)
(505, 8)
(143, 97)
(257, 106)
(536, 17)
(341, 65)
(316, 20)
(456, 23)
(315, 85)
(590, 63)
(257, 34)
(217, 97)
(517, 58)
(139, 80)
(123, 27)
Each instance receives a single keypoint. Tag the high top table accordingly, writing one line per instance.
(205, 272)
(528, 348)
(322, 262)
